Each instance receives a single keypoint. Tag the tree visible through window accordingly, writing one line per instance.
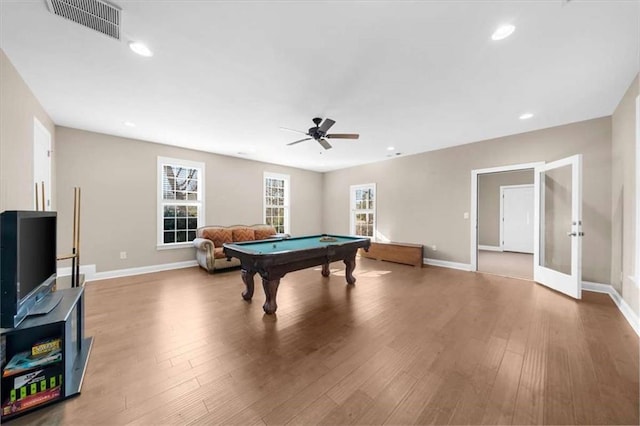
(363, 210)
(276, 201)
(180, 200)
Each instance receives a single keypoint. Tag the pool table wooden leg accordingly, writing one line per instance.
(350, 264)
(270, 291)
(247, 279)
(325, 269)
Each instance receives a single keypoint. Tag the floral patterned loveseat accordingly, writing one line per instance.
(209, 241)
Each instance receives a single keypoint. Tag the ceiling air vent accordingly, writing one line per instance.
(95, 14)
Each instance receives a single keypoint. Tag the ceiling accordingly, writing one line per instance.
(418, 76)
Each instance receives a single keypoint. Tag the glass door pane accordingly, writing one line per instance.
(555, 244)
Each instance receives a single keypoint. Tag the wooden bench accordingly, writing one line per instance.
(405, 253)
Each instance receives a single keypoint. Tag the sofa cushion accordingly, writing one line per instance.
(218, 253)
(243, 234)
(264, 232)
(219, 236)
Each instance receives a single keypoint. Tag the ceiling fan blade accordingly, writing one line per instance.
(343, 136)
(326, 125)
(301, 140)
(324, 143)
(293, 130)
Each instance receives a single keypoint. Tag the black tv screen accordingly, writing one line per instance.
(27, 262)
(37, 252)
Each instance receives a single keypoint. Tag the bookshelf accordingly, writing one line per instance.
(62, 375)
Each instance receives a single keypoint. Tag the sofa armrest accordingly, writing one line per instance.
(203, 244)
(204, 253)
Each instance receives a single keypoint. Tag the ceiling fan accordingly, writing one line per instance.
(319, 133)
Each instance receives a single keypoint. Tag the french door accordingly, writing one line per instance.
(558, 226)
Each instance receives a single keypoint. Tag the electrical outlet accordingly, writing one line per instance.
(123, 255)
(466, 215)
(434, 248)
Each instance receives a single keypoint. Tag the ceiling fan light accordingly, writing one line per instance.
(503, 32)
(390, 148)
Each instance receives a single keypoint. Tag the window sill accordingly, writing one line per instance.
(174, 246)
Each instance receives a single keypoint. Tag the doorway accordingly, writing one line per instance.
(505, 223)
(557, 262)
(41, 166)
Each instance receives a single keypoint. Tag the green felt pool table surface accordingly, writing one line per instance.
(291, 244)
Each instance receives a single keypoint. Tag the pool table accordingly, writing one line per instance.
(274, 258)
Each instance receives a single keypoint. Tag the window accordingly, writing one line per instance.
(180, 201)
(363, 210)
(276, 201)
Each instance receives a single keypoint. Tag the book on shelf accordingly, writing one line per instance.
(11, 407)
(25, 361)
(43, 381)
(45, 346)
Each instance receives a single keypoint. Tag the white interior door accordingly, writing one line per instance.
(558, 226)
(41, 164)
(516, 218)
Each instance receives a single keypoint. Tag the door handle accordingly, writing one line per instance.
(575, 234)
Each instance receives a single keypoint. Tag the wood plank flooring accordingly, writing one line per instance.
(404, 346)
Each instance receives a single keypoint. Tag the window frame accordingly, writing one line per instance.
(161, 202)
(286, 202)
(635, 276)
(354, 211)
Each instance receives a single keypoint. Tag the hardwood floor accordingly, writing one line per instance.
(506, 263)
(404, 346)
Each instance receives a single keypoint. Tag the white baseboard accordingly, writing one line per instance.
(447, 264)
(89, 271)
(622, 305)
(489, 248)
(142, 270)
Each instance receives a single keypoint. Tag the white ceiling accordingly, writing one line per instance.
(414, 75)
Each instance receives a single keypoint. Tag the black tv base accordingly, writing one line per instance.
(65, 322)
(45, 306)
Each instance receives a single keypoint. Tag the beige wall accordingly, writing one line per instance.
(18, 107)
(118, 181)
(623, 126)
(422, 198)
(489, 202)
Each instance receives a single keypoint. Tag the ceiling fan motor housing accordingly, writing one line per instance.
(315, 133)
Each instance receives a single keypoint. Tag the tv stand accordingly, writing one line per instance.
(46, 305)
(65, 322)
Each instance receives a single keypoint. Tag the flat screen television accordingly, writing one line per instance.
(27, 265)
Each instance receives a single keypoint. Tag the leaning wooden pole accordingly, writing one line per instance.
(75, 243)
(77, 234)
(37, 198)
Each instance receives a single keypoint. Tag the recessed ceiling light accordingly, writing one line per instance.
(140, 48)
(526, 116)
(503, 32)
(129, 124)
(390, 148)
